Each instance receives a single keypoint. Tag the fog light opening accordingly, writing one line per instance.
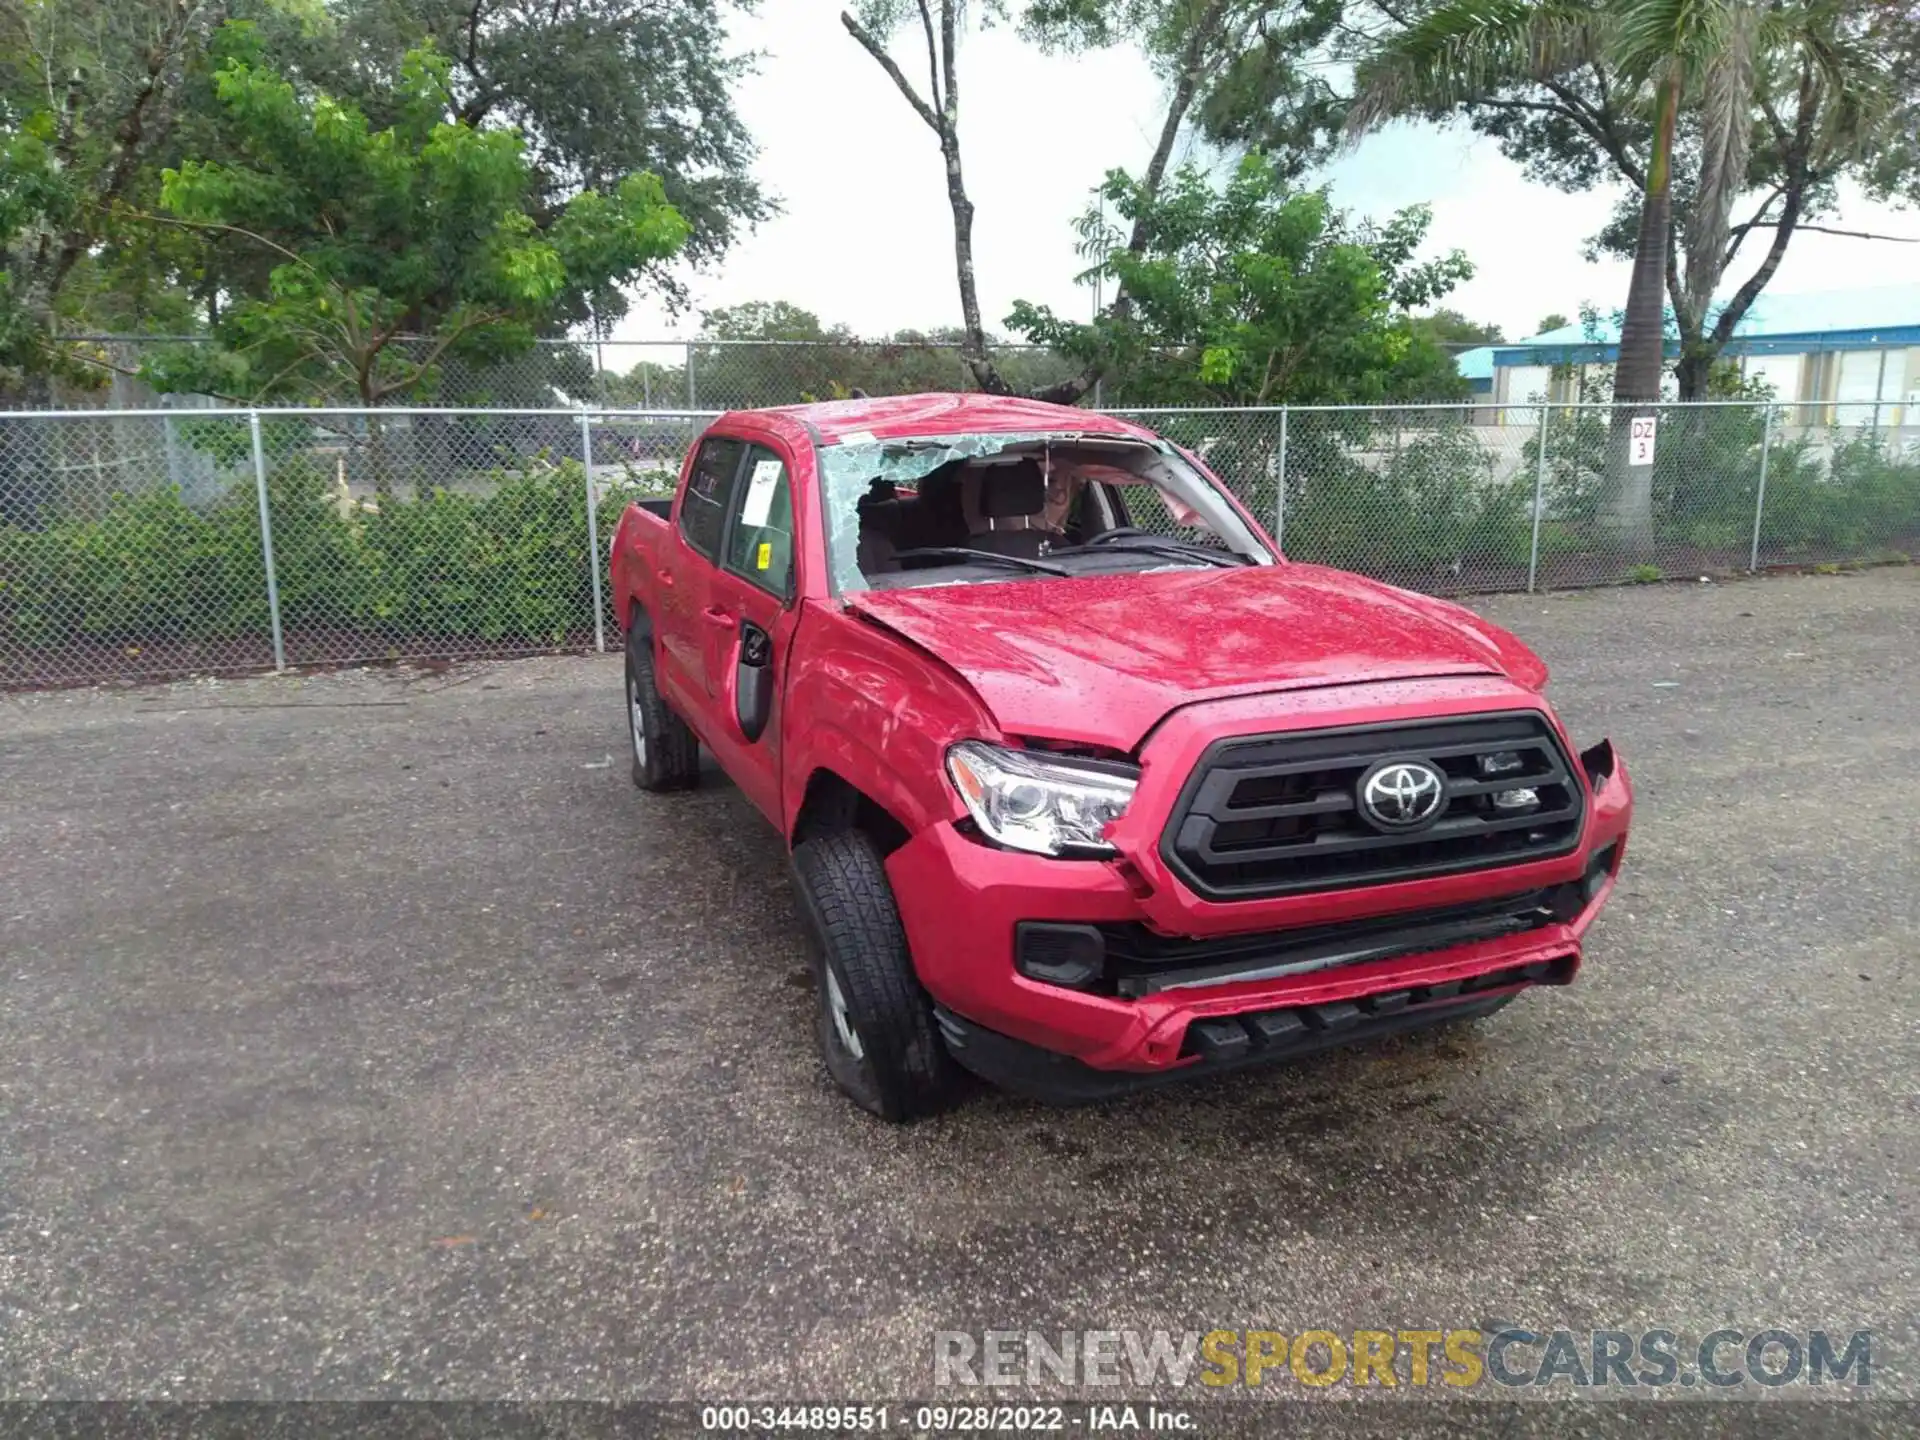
(1073, 956)
(1599, 869)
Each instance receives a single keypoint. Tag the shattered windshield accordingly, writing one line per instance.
(975, 508)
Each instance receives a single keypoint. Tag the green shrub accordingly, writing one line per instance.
(1863, 502)
(505, 559)
(150, 566)
(1429, 504)
(510, 565)
(506, 564)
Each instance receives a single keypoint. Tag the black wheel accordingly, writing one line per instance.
(875, 1022)
(665, 754)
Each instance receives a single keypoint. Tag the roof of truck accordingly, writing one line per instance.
(945, 414)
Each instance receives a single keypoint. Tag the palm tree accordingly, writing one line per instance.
(1663, 55)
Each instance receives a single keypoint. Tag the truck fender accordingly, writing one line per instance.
(877, 713)
(831, 752)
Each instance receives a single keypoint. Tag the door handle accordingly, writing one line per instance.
(717, 617)
(666, 578)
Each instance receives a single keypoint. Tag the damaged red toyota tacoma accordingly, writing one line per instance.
(1085, 786)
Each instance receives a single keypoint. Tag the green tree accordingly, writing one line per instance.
(99, 97)
(1693, 104)
(767, 320)
(1552, 320)
(1256, 293)
(1193, 43)
(776, 353)
(1253, 74)
(88, 97)
(1452, 329)
(421, 229)
(597, 90)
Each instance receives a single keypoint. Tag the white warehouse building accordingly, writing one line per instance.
(1838, 357)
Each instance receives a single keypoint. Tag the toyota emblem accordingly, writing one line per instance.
(1402, 794)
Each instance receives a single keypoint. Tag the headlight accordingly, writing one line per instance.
(1041, 803)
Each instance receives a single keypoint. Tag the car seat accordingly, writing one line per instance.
(1000, 503)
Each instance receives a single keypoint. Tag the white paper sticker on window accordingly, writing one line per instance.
(759, 501)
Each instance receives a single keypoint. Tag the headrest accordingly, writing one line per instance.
(1009, 490)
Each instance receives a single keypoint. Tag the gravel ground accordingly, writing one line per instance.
(366, 1034)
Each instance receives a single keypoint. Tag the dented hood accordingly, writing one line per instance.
(1102, 658)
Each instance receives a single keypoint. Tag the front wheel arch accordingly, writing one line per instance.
(833, 803)
(637, 621)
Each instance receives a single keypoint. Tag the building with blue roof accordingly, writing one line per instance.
(1476, 368)
(1840, 356)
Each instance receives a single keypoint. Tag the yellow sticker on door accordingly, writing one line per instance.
(764, 559)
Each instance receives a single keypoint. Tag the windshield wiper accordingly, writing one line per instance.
(1128, 537)
(970, 556)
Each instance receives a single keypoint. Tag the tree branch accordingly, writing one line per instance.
(933, 62)
(1800, 178)
(473, 35)
(1743, 298)
(1774, 123)
(127, 136)
(1605, 116)
(440, 347)
(1736, 234)
(1598, 124)
(1829, 230)
(949, 65)
(878, 51)
(69, 117)
(222, 229)
(1676, 292)
(1186, 86)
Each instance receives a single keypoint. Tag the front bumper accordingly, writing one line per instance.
(960, 902)
(1259, 1038)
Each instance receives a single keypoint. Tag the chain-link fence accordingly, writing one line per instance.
(156, 543)
(635, 374)
(144, 543)
(1460, 499)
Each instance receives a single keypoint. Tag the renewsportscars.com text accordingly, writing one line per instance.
(1456, 1358)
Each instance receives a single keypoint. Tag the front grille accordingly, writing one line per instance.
(1280, 814)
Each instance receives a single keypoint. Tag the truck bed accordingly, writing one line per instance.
(636, 542)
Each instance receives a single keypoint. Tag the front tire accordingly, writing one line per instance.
(875, 1023)
(666, 756)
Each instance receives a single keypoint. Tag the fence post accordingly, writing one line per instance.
(266, 540)
(1539, 498)
(1280, 503)
(593, 533)
(693, 396)
(1760, 495)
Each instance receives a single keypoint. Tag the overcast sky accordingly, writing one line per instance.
(865, 237)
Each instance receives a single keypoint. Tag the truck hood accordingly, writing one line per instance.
(1100, 659)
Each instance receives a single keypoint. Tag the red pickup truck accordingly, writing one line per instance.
(1085, 786)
